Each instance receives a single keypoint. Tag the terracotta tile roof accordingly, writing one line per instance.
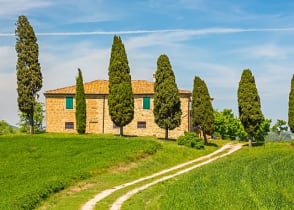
(101, 87)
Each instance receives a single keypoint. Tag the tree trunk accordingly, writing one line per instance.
(250, 142)
(166, 134)
(121, 130)
(205, 138)
(31, 123)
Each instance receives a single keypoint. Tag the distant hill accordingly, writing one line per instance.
(6, 128)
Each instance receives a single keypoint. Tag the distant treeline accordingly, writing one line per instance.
(5, 128)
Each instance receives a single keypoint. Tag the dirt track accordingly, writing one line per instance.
(225, 150)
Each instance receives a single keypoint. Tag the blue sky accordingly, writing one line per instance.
(215, 40)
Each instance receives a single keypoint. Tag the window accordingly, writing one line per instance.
(141, 124)
(69, 102)
(69, 125)
(146, 102)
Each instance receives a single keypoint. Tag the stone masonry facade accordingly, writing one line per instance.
(61, 119)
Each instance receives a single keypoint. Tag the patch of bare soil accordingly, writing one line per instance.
(123, 167)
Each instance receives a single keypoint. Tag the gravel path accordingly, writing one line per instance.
(118, 203)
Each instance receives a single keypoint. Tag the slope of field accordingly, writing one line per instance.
(33, 167)
(253, 178)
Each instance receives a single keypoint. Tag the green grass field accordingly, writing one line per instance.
(33, 167)
(168, 155)
(253, 178)
(48, 169)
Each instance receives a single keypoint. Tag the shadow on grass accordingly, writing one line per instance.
(125, 136)
(163, 139)
(255, 144)
(211, 144)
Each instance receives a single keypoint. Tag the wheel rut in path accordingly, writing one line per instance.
(224, 150)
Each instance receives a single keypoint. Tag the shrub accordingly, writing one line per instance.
(5, 128)
(152, 149)
(190, 139)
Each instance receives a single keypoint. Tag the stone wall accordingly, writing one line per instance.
(57, 114)
(99, 120)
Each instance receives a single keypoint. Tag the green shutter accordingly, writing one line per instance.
(146, 102)
(69, 102)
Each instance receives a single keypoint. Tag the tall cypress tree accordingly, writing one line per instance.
(81, 112)
(249, 105)
(167, 105)
(202, 110)
(28, 69)
(120, 98)
(291, 106)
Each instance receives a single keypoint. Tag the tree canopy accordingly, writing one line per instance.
(5, 128)
(29, 76)
(291, 106)
(120, 98)
(81, 112)
(38, 119)
(249, 104)
(202, 111)
(166, 105)
(227, 125)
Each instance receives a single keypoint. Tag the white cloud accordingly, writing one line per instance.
(161, 34)
(8, 59)
(10, 8)
(8, 105)
(60, 62)
(267, 50)
(61, 71)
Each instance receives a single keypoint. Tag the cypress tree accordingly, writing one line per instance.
(120, 98)
(291, 106)
(28, 69)
(81, 112)
(202, 110)
(249, 105)
(167, 105)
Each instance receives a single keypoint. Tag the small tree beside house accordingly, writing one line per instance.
(81, 115)
(120, 98)
(167, 105)
(38, 119)
(202, 111)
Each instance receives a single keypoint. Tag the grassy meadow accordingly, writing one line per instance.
(254, 178)
(33, 167)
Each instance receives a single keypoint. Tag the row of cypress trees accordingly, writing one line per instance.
(167, 105)
(167, 111)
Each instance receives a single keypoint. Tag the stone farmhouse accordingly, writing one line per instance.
(60, 110)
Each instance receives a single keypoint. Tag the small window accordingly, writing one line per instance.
(69, 125)
(69, 102)
(146, 102)
(141, 124)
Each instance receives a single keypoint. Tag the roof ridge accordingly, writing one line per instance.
(101, 87)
